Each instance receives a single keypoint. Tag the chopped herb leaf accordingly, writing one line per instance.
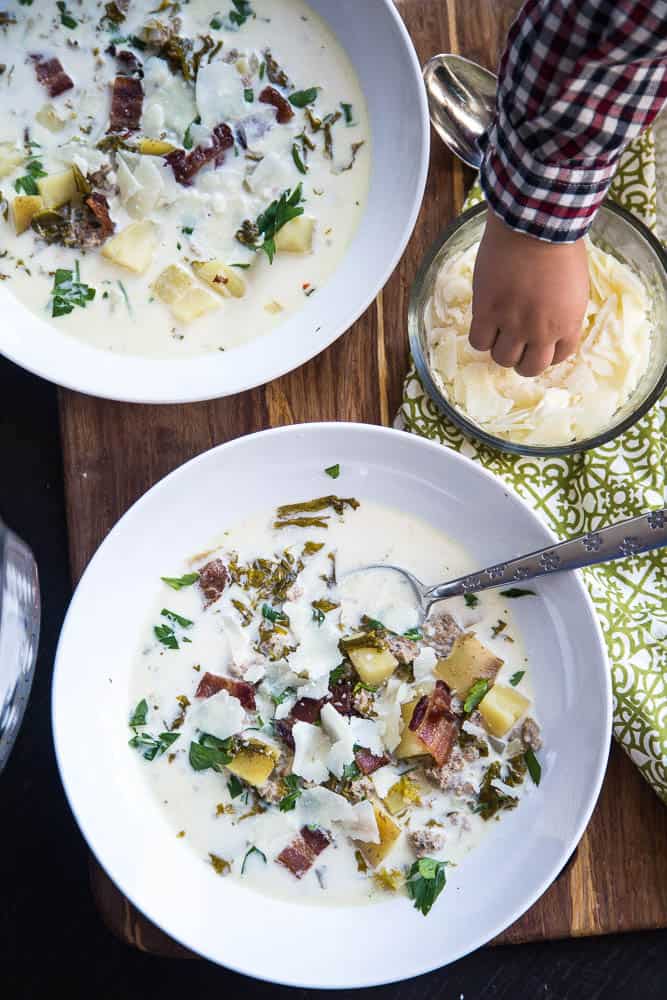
(253, 850)
(517, 592)
(138, 717)
(152, 746)
(298, 162)
(288, 802)
(242, 12)
(300, 98)
(516, 678)
(278, 699)
(249, 95)
(362, 686)
(165, 635)
(271, 221)
(220, 866)
(173, 617)
(475, 695)
(413, 633)
(188, 141)
(347, 112)
(65, 17)
(215, 23)
(533, 765)
(210, 752)
(235, 786)
(34, 169)
(68, 291)
(426, 880)
(337, 674)
(351, 772)
(491, 799)
(499, 627)
(472, 600)
(333, 471)
(318, 616)
(177, 582)
(275, 616)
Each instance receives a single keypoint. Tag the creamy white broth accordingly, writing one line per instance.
(126, 314)
(199, 804)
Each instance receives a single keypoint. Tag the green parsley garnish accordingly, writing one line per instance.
(210, 752)
(288, 802)
(138, 717)
(215, 23)
(475, 695)
(472, 600)
(173, 617)
(68, 291)
(153, 746)
(271, 221)
(178, 582)
(242, 12)
(515, 678)
(351, 771)
(188, 141)
(166, 636)
(235, 786)
(300, 98)
(333, 471)
(275, 616)
(252, 850)
(426, 880)
(249, 95)
(278, 699)
(34, 169)
(347, 112)
(413, 633)
(517, 592)
(533, 765)
(65, 17)
(337, 674)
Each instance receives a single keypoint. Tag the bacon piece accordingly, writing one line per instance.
(307, 710)
(368, 762)
(284, 110)
(342, 698)
(300, 855)
(435, 724)
(127, 100)
(50, 74)
(211, 684)
(213, 578)
(186, 165)
(99, 206)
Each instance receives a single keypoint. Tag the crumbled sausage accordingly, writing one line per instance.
(362, 788)
(213, 578)
(272, 791)
(405, 650)
(426, 840)
(448, 777)
(362, 702)
(441, 632)
(530, 734)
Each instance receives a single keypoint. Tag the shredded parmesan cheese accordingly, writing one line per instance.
(569, 402)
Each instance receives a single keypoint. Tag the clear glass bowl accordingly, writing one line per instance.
(19, 634)
(615, 231)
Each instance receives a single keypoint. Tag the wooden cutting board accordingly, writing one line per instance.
(114, 452)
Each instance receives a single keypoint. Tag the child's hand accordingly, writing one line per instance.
(529, 298)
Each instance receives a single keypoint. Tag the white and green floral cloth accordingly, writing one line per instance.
(585, 492)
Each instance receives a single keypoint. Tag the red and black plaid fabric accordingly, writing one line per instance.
(578, 81)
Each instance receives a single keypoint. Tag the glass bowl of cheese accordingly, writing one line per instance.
(615, 377)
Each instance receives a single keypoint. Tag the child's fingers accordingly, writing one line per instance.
(482, 334)
(536, 359)
(564, 348)
(507, 349)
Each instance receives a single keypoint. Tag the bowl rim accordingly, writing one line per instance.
(89, 378)
(598, 770)
(466, 425)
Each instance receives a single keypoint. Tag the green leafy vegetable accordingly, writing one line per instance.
(426, 880)
(533, 765)
(333, 471)
(34, 169)
(300, 98)
(351, 772)
(178, 582)
(210, 752)
(288, 802)
(138, 717)
(491, 799)
(65, 17)
(153, 746)
(472, 600)
(252, 850)
(68, 291)
(173, 617)
(347, 112)
(515, 678)
(235, 786)
(165, 634)
(475, 695)
(270, 222)
(517, 592)
(413, 633)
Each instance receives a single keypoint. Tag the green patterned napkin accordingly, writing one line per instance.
(585, 492)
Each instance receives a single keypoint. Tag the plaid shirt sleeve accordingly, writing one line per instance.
(579, 79)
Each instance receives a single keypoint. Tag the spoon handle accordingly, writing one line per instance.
(627, 538)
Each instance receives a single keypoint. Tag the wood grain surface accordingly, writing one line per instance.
(114, 452)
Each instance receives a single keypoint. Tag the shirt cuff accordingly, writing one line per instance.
(551, 202)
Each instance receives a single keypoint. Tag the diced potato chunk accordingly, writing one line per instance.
(172, 284)
(48, 117)
(11, 157)
(297, 235)
(373, 665)
(254, 765)
(24, 207)
(58, 189)
(222, 279)
(401, 795)
(133, 247)
(155, 147)
(192, 305)
(389, 833)
(410, 745)
(501, 708)
(469, 661)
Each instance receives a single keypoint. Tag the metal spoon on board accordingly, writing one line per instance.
(461, 101)
(627, 538)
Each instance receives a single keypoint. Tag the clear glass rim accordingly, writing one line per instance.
(448, 410)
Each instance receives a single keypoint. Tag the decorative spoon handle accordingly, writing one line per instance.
(627, 538)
